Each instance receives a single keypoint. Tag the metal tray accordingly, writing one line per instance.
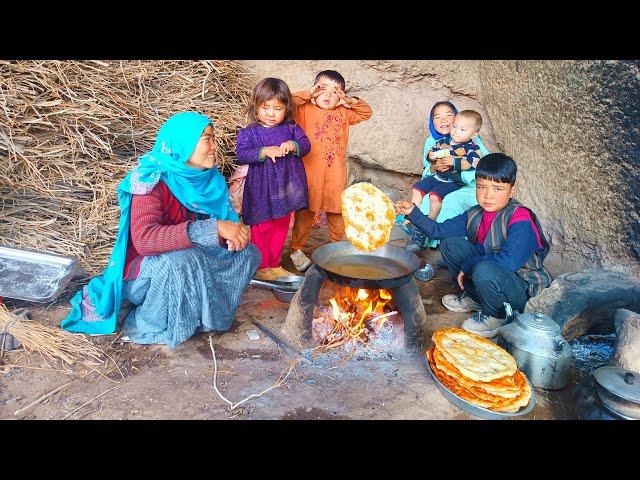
(475, 410)
(34, 276)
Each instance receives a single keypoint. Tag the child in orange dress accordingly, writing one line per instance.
(325, 113)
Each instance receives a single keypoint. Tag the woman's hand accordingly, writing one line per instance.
(431, 156)
(236, 234)
(441, 165)
(403, 207)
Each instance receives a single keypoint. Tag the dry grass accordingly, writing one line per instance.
(71, 130)
(53, 343)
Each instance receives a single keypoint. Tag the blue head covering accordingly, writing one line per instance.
(432, 129)
(95, 307)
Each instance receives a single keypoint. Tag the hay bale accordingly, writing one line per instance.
(71, 130)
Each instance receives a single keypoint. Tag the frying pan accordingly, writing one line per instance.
(386, 267)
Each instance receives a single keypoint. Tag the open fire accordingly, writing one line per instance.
(356, 315)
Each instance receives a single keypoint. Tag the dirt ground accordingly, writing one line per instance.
(155, 382)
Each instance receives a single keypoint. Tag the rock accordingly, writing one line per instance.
(530, 104)
(401, 94)
(586, 301)
(253, 335)
(626, 350)
(530, 111)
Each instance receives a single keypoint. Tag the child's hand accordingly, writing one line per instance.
(441, 165)
(287, 147)
(273, 152)
(344, 100)
(431, 156)
(315, 91)
(404, 207)
(460, 280)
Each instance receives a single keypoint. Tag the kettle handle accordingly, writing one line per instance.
(629, 378)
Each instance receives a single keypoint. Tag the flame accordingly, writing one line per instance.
(355, 312)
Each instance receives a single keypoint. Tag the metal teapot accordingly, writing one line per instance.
(541, 353)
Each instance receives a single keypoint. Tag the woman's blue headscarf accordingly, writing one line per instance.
(94, 309)
(432, 129)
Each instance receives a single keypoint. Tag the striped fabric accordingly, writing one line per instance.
(533, 271)
(181, 292)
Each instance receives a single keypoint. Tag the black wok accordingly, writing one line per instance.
(386, 267)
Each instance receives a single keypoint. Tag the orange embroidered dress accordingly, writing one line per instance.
(326, 164)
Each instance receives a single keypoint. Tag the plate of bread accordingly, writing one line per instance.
(478, 376)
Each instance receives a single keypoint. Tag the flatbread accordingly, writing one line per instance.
(498, 404)
(504, 387)
(474, 356)
(368, 216)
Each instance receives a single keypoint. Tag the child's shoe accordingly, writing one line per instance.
(460, 303)
(484, 325)
(300, 260)
(416, 241)
(280, 272)
(264, 274)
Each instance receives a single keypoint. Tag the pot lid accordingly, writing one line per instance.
(620, 382)
(540, 322)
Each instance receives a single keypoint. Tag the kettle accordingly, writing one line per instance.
(541, 353)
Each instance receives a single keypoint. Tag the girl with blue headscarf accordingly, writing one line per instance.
(440, 123)
(180, 256)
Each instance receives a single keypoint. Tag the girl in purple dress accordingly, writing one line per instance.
(276, 184)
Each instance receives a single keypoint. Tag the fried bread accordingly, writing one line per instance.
(474, 356)
(368, 216)
(475, 396)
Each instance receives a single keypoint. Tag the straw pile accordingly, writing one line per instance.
(71, 130)
(53, 343)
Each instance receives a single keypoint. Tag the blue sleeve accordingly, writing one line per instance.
(301, 139)
(204, 232)
(426, 164)
(520, 245)
(454, 227)
(246, 151)
(483, 149)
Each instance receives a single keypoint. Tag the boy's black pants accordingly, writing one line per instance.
(490, 284)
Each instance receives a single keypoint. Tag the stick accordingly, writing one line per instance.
(44, 397)
(87, 403)
(279, 341)
(233, 406)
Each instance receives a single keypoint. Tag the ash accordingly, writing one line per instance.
(591, 352)
(382, 339)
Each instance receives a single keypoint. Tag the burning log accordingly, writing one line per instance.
(356, 316)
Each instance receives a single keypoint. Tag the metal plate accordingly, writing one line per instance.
(475, 410)
(34, 276)
(613, 379)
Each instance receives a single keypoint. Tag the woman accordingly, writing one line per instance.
(180, 254)
(461, 200)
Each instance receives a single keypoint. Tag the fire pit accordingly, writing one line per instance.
(388, 269)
